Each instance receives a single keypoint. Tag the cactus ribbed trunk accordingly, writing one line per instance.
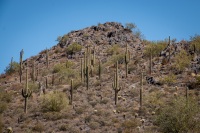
(141, 90)
(20, 71)
(47, 58)
(82, 71)
(150, 62)
(27, 93)
(71, 92)
(115, 85)
(127, 59)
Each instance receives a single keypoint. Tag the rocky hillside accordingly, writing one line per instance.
(120, 83)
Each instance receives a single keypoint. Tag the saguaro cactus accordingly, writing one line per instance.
(46, 82)
(11, 64)
(99, 69)
(71, 92)
(115, 85)
(33, 71)
(87, 77)
(169, 50)
(141, 90)
(150, 61)
(127, 59)
(27, 93)
(20, 70)
(47, 58)
(82, 70)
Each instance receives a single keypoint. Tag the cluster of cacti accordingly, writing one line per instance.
(115, 85)
(26, 93)
(47, 58)
(20, 70)
(127, 59)
(71, 92)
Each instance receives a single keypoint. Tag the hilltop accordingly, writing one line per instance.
(164, 72)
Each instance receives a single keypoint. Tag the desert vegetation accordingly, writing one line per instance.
(112, 82)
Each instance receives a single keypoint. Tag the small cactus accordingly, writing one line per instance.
(27, 93)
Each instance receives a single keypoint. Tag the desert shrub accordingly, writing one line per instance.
(12, 68)
(130, 125)
(114, 49)
(130, 26)
(38, 127)
(119, 58)
(154, 48)
(54, 102)
(33, 86)
(64, 127)
(195, 43)
(154, 99)
(182, 60)
(58, 68)
(180, 116)
(5, 98)
(73, 48)
(94, 125)
(168, 79)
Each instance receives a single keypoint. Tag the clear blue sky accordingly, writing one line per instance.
(35, 24)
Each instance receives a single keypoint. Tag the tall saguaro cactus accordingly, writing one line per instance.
(82, 70)
(115, 85)
(150, 61)
(33, 71)
(100, 69)
(26, 93)
(11, 64)
(127, 59)
(141, 90)
(20, 70)
(47, 58)
(71, 92)
(169, 49)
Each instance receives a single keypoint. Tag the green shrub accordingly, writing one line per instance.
(168, 79)
(114, 49)
(54, 102)
(195, 42)
(58, 68)
(12, 68)
(119, 58)
(5, 98)
(182, 60)
(130, 125)
(73, 48)
(154, 48)
(38, 127)
(179, 117)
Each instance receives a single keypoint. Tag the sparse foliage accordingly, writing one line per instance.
(54, 102)
(12, 68)
(73, 48)
(179, 117)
